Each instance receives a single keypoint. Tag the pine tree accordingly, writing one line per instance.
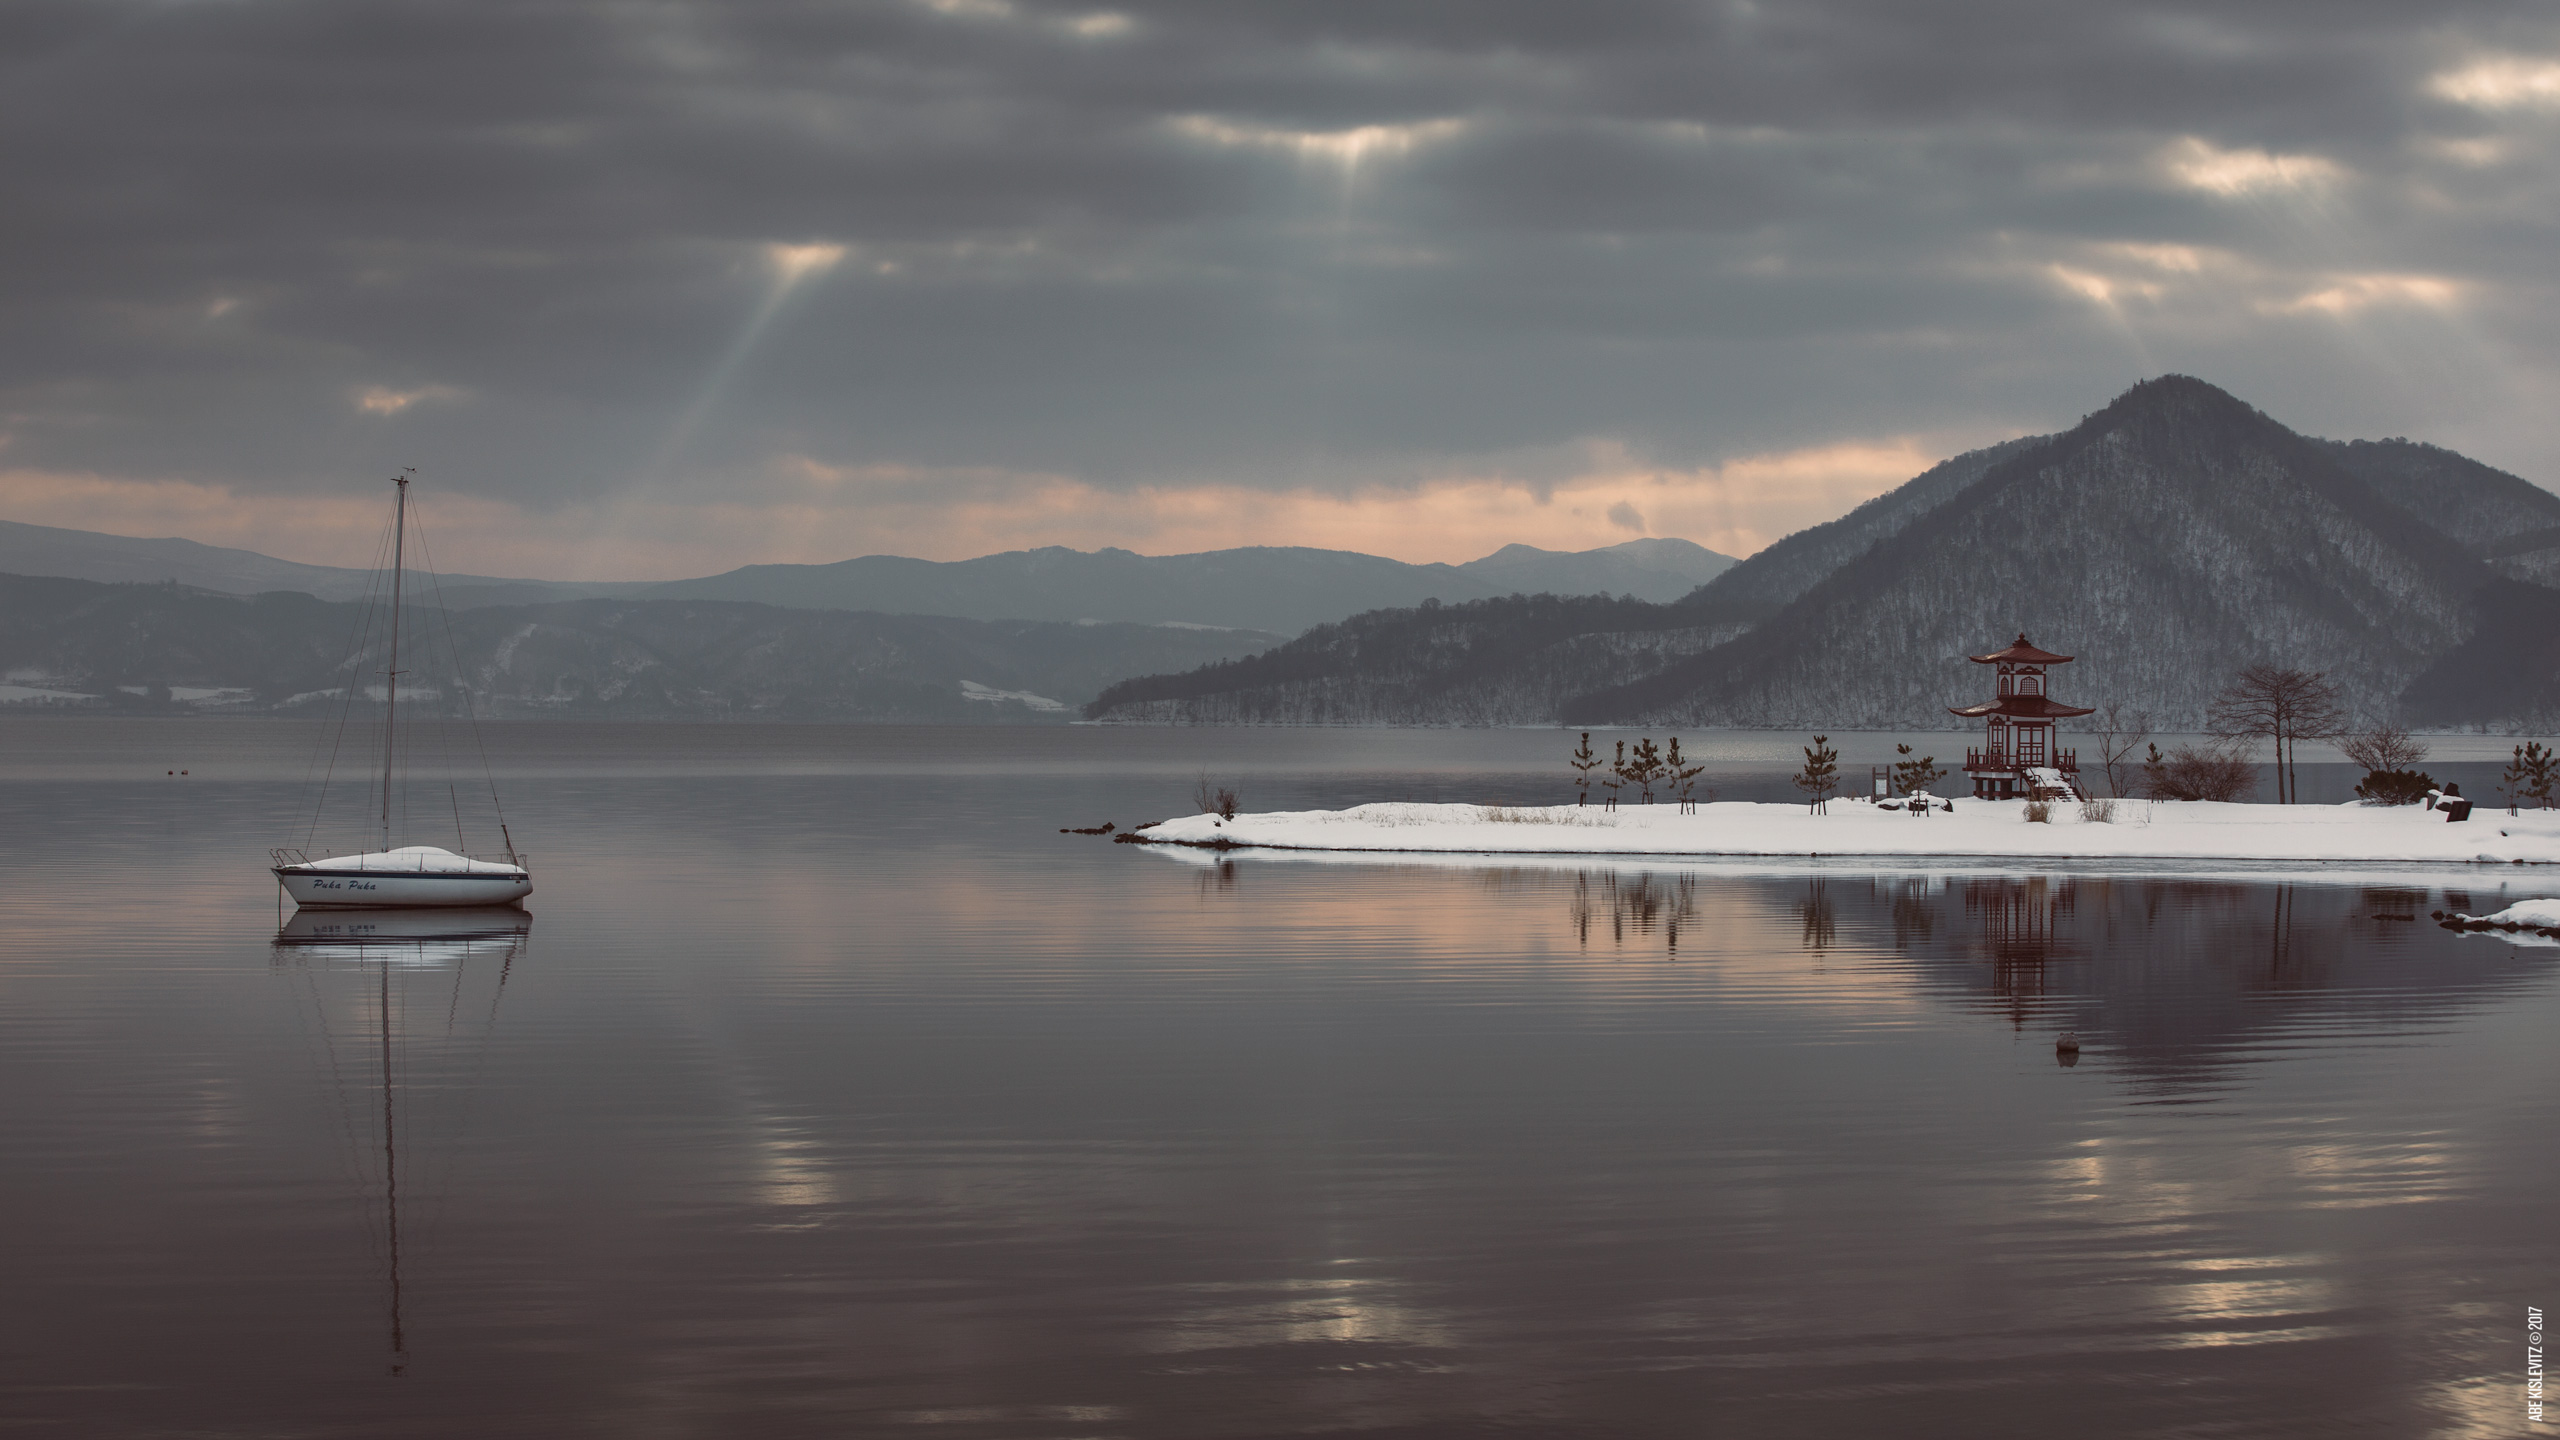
(1646, 766)
(1583, 763)
(2530, 775)
(1821, 774)
(1912, 778)
(1617, 776)
(1685, 776)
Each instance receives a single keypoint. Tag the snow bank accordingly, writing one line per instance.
(2535, 917)
(2141, 830)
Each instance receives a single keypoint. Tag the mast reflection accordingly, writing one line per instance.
(362, 971)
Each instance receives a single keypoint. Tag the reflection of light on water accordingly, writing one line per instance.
(788, 1166)
(995, 1414)
(215, 1110)
(1340, 1309)
(2354, 1177)
(2223, 1289)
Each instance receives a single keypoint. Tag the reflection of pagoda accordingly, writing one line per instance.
(2018, 756)
(2018, 932)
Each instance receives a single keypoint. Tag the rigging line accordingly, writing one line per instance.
(453, 656)
(470, 712)
(360, 641)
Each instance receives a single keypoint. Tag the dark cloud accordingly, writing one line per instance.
(1265, 243)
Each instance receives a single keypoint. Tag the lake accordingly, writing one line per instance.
(828, 1089)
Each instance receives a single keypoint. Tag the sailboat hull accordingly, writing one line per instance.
(321, 889)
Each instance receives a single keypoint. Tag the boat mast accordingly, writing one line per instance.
(391, 683)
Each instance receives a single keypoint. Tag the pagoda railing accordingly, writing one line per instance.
(2066, 761)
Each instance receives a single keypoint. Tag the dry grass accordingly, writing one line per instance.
(1552, 815)
(2098, 812)
(2039, 812)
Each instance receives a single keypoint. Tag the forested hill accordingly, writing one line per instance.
(1485, 662)
(2167, 540)
(82, 646)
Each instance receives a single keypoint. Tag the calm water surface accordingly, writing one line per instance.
(828, 1090)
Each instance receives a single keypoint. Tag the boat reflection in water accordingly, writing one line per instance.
(387, 992)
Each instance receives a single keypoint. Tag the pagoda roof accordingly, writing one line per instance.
(2022, 653)
(2023, 707)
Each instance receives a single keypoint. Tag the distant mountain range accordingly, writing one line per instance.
(83, 646)
(2167, 540)
(1278, 589)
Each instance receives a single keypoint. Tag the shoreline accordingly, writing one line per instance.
(1976, 830)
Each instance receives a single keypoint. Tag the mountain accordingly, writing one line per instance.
(1653, 568)
(2167, 540)
(87, 555)
(2511, 522)
(1284, 589)
(132, 646)
(1279, 589)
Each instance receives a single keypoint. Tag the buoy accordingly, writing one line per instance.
(2069, 1044)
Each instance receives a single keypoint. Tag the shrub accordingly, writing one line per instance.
(2098, 812)
(2387, 748)
(1221, 801)
(2039, 812)
(2193, 772)
(2395, 787)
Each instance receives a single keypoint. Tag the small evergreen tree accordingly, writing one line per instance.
(2395, 787)
(1583, 763)
(2155, 774)
(1685, 776)
(1821, 774)
(1914, 777)
(1617, 777)
(2530, 775)
(1645, 767)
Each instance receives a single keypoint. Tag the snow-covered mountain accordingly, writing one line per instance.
(2167, 540)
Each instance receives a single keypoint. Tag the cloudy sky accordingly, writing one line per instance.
(655, 289)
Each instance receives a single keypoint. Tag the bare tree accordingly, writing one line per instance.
(2383, 749)
(2119, 735)
(2282, 705)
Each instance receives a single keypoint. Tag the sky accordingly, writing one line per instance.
(648, 290)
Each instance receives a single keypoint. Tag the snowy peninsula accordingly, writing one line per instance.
(2140, 830)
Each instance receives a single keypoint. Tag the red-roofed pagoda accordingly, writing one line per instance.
(2018, 756)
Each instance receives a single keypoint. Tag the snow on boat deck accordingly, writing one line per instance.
(2141, 830)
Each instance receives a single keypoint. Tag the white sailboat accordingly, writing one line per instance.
(405, 876)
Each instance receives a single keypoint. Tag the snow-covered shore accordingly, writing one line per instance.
(2141, 830)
